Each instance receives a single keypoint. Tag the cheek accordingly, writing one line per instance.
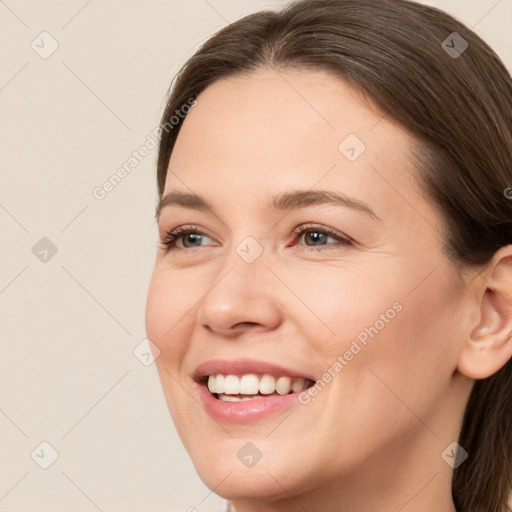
(384, 308)
(407, 363)
(348, 304)
(157, 304)
(165, 319)
(167, 304)
(389, 335)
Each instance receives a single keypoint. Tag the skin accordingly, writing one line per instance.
(372, 438)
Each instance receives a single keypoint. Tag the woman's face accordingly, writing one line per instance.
(363, 302)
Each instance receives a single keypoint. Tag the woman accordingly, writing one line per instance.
(332, 294)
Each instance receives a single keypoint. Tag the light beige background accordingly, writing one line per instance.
(69, 326)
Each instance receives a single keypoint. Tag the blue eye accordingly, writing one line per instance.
(191, 237)
(186, 234)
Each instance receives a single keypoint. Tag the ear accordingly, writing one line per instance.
(489, 346)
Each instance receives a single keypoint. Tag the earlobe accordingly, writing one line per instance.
(489, 345)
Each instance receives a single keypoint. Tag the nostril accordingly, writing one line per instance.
(245, 324)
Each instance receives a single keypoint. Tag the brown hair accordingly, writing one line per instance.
(456, 101)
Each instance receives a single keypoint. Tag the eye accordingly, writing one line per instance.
(319, 236)
(190, 237)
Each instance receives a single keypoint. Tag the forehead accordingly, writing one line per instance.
(281, 129)
(272, 112)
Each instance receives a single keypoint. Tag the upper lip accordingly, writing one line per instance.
(245, 366)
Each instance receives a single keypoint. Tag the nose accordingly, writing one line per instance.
(243, 296)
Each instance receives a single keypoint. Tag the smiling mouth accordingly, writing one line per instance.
(238, 388)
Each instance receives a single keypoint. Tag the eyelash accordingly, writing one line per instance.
(169, 243)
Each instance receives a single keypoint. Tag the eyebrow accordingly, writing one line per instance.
(285, 201)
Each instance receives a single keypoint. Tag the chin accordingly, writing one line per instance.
(226, 468)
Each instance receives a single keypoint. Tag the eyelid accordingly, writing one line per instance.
(170, 237)
(168, 244)
(304, 228)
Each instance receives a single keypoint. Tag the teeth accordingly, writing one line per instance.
(249, 385)
(283, 385)
(297, 385)
(232, 385)
(220, 383)
(267, 384)
(230, 398)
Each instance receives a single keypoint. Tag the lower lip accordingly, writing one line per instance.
(246, 410)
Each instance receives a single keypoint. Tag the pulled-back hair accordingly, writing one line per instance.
(457, 103)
